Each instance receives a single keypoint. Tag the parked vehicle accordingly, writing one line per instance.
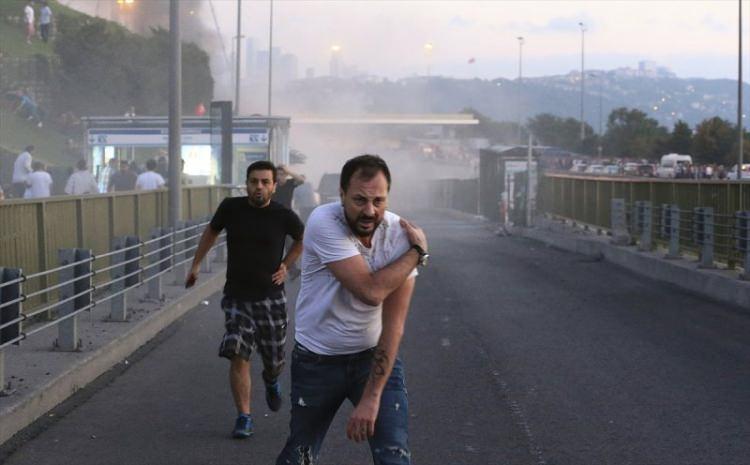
(646, 170)
(672, 164)
(595, 169)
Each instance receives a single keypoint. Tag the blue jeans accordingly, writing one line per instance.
(320, 383)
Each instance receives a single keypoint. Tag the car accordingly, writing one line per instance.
(595, 169)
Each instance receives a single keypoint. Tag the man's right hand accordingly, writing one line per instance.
(192, 276)
(415, 234)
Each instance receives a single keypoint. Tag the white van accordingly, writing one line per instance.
(671, 163)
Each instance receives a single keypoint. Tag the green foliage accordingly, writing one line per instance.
(497, 132)
(714, 141)
(681, 139)
(105, 70)
(631, 133)
(562, 132)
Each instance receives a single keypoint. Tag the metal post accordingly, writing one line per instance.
(175, 114)
(237, 59)
(11, 312)
(620, 235)
(118, 305)
(520, 85)
(583, 130)
(67, 330)
(179, 253)
(270, 58)
(528, 183)
(742, 240)
(154, 291)
(703, 235)
(643, 218)
(673, 213)
(739, 109)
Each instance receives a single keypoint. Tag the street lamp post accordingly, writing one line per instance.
(270, 57)
(520, 84)
(428, 52)
(739, 106)
(583, 78)
(237, 59)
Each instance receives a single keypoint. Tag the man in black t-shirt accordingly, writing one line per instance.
(254, 302)
(122, 179)
(288, 181)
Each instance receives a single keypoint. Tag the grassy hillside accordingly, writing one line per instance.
(16, 133)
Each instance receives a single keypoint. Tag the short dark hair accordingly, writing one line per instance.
(37, 165)
(366, 166)
(29, 148)
(261, 165)
(81, 164)
(151, 164)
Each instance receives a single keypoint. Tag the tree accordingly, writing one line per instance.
(714, 141)
(631, 133)
(562, 132)
(105, 69)
(681, 140)
(497, 132)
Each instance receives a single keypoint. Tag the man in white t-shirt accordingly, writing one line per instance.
(39, 182)
(82, 181)
(28, 20)
(149, 179)
(21, 170)
(358, 269)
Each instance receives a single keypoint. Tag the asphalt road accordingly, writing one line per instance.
(515, 353)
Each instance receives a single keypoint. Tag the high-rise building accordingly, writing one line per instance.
(288, 68)
(249, 57)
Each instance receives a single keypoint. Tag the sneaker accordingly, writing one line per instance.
(273, 396)
(243, 427)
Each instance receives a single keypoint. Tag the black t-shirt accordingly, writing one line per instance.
(123, 180)
(284, 194)
(255, 243)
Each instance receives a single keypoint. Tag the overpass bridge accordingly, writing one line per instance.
(515, 353)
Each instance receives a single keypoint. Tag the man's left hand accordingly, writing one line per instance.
(361, 423)
(280, 275)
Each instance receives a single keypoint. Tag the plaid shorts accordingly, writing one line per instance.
(256, 325)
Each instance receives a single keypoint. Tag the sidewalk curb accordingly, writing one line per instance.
(720, 285)
(48, 395)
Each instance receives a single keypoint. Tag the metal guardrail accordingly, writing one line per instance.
(590, 201)
(130, 263)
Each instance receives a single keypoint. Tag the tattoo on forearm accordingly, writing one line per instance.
(379, 364)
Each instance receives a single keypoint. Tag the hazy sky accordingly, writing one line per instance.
(387, 37)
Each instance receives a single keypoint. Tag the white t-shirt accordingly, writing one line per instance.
(22, 167)
(329, 319)
(45, 15)
(81, 182)
(149, 180)
(40, 183)
(28, 14)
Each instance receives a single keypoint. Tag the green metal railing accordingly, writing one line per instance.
(587, 200)
(32, 231)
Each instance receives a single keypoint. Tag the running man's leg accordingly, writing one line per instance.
(318, 389)
(237, 346)
(270, 320)
(390, 444)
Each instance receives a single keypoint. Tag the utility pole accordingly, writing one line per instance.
(237, 60)
(175, 114)
(270, 58)
(739, 108)
(520, 84)
(583, 79)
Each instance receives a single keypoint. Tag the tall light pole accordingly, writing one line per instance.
(270, 58)
(175, 114)
(583, 80)
(520, 82)
(739, 106)
(237, 60)
(428, 53)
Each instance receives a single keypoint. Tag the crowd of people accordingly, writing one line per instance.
(31, 179)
